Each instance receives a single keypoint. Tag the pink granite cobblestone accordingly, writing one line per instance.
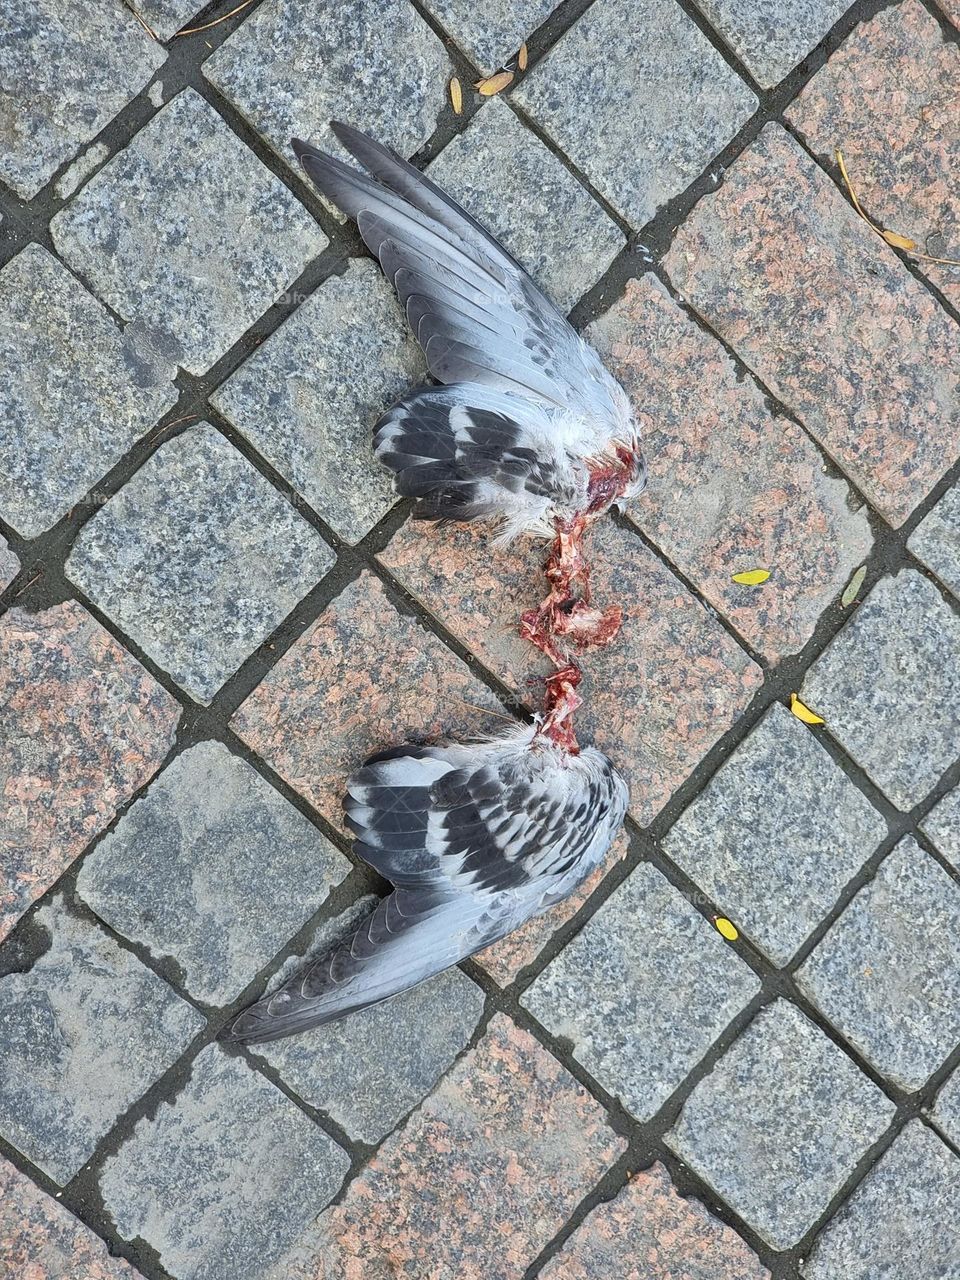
(82, 727)
(787, 273)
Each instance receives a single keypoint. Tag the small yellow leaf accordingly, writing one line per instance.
(752, 577)
(898, 241)
(852, 589)
(726, 927)
(522, 57)
(494, 84)
(804, 713)
(456, 96)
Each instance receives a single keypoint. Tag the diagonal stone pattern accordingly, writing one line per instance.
(179, 828)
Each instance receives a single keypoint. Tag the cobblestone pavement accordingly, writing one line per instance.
(212, 607)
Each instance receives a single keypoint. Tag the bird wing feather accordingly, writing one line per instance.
(475, 839)
(479, 316)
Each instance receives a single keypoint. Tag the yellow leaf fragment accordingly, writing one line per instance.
(522, 57)
(494, 84)
(456, 96)
(898, 241)
(803, 712)
(752, 577)
(852, 589)
(726, 927)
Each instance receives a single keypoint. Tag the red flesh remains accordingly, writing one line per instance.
(566, 613)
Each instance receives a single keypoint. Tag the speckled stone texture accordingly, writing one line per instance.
(946, 1111)
(936, 540)
(780, 1123)
(507, 959)
(771, 39)
(370, 1069)
(198, 559)
(655, 700)
(942, 825)
(477, 1181)
(187, 230)
(82, 727)
(888, 99)
(66, 69)
(711, 514)
(76, 392)
(492, 32)
(77, 173)
(9, 564)
(212, 867)
(372, 63)
(784, 270)
(363, 678)
(650, 1233)
(523, 194)
(642, 124)
(894, 997)
(309, 398)
(889, 685)
(41, 1240)
(642, 991)
(224, 1177)
(776, 834)
(166, 17)
(903, 1219)
(82, 1034)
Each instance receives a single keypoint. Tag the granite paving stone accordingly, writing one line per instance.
(66, 69)
(780, 1124)
(649, 1232)
(769, 40)
(367, 1071)
(166, 17)
(936, 540)
(82, 727)
(41, 1240)
(821, 309)
(712, 515)
(942, 825)
(506, 959)
(952, 9)
(491, 33)
(187, 230)
(642, 991)
(656, 699)
(363, 678)
(222, 1179)
(477, 1181)
(889, 684)
(77, 392)
(887, 974)
(77, 173)
(83, 1034)
(776, 834)
(902, 1220)
(375, 64)
(9, 564)
(309, 398)
(946, 1111)
(887, 98)
(523, 194)
(640, 136)
(187, 869)
(201, 581)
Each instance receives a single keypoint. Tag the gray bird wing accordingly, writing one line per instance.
(475, 311)
(476, 840)
(467, 452)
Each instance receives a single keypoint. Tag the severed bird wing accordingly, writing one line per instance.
(466, 452)
(476, 839)
(475, 311)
